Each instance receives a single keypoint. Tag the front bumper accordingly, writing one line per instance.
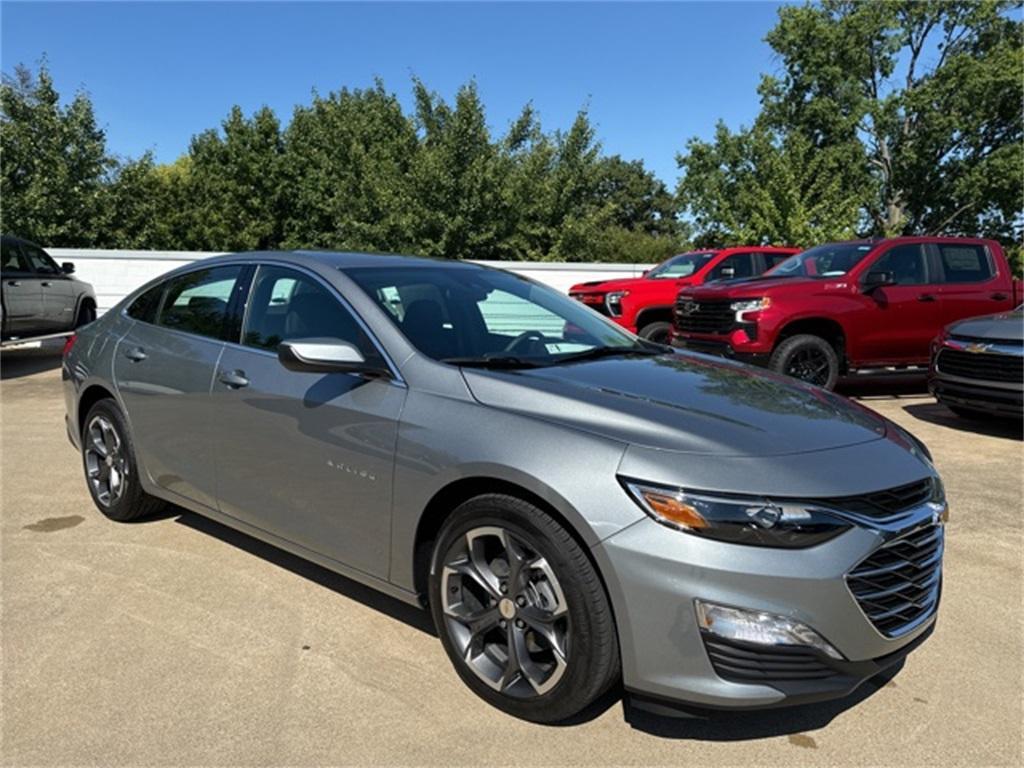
(655, 574)
(719, 348)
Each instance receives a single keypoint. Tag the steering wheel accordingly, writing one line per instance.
(530, 335)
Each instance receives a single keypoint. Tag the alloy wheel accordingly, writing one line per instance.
(810, 365)
(505, 612)
(105, 462)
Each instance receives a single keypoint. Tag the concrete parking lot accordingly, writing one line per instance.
(178, 641)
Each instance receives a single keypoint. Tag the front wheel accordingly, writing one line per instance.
(521, 610)
(657, 332)
(808, 358)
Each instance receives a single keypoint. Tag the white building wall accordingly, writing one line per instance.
(115, 274)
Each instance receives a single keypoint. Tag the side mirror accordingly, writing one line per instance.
(875, 280)
(326, 356)
(67, 267)
(644, 273)
(727, 272)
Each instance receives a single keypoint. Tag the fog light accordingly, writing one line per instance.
(759, 627)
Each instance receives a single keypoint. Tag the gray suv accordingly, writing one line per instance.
(578, 507)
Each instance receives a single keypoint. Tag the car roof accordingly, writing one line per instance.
(347, 259)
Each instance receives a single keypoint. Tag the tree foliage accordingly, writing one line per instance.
(912, 106)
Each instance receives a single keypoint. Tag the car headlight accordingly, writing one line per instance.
(752, 521)
(614, 301)
(749, 305)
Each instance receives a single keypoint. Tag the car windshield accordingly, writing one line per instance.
(474, 316)
(683, 265)
(829, 260)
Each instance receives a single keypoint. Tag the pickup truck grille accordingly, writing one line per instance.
(703, 316)
(982, 366)
(897, 586)
(882, 504)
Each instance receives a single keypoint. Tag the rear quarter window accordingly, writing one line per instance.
(145, 307)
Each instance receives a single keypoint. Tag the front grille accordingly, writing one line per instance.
(887, 503)
(981, 365)
(897, 585)
(704, 316)
(745, 662)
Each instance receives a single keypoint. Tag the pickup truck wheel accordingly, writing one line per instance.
(808, 358)
(86, 314)
(656, 332)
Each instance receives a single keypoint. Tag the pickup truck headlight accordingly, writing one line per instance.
(614, 302)
(749, 305)
(752, 521)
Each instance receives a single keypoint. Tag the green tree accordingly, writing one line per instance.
(53, 162)
(147, 206)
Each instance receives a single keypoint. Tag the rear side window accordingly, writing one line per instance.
(965, 263)
(145, 307)
(197, 302)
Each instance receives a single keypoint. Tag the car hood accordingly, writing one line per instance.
(1006, 326)
(603, 286)
(755, 286)
(682, 402)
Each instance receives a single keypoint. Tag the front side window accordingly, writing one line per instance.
(683, 265)
(466, 313)
(733, 267)
(965, 263)
(40, 261)
(285, 304)
(906, 263)
(823, 261)
(197, 302)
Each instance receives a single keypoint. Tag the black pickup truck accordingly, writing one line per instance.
(40, 298)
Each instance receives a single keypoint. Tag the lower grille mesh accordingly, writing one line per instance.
(897, 586)
(732, 661)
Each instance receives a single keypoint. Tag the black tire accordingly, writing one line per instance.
(130, 502)
(86, 314)
(591, 651)
(657, 332)
(808, 358)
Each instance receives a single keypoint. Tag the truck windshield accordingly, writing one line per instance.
(829, 260)
(683, 265)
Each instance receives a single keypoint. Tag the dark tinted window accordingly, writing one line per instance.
(773, 260)
(965, 263)
(39, 260)
(198, 302)
(733, 267)
(906, 263)
(145, 307)
(12, 259)
(285, 304)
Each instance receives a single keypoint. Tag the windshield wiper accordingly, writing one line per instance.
(649, 348)
(490, 361)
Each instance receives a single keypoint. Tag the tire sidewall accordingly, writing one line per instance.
(565, 699)
(124, 508)
(654, 329)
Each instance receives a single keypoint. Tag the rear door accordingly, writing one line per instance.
(899, 321)
(308, 457)
(58, 292)
(23, 299)
(164, 367)
(970, 283)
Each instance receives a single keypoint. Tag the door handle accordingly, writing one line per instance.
(234, 379)
(926, 297)
(999, 297)
(14, 282)
(135, 354)
(46, 283)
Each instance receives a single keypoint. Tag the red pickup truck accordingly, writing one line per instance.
(643, 305)
(849, 306)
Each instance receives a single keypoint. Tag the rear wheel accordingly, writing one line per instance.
(111, 473)
(808, 358)
(521, 610)
(656, 332)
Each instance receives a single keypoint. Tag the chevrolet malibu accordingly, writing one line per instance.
(579, 508)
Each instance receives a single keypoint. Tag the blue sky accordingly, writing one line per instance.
(652, 75)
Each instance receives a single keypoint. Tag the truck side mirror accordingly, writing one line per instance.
(67, 267)
(875, 280)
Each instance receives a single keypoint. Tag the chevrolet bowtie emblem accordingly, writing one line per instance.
(977, 347)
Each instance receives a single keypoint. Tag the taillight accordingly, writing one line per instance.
(69, 344)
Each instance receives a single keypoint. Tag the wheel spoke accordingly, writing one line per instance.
(98, 444)
(544, 627)
(109, 437)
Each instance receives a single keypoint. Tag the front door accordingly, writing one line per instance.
(900, 320)
(23, 298)
(58, 292)
(308, 457)
(164, 370)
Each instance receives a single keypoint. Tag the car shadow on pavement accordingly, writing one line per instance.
(1007, 427)
(17, 363)
(410, 615)
(883, 385)
(724, 725)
